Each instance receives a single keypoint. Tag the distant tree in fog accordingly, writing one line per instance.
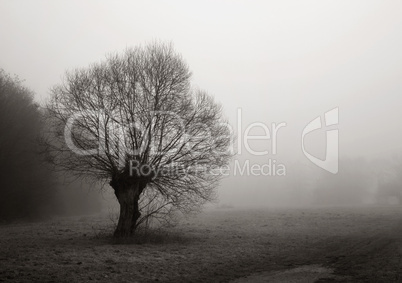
(134, 121)
(25, 182)
(389, 190)
(350, 186)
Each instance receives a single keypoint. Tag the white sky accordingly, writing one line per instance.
(280, 61)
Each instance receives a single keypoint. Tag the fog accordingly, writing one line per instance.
(267, 63)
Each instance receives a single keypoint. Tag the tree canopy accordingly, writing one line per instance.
(134, 121)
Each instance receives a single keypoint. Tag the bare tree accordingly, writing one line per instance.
(134, 121)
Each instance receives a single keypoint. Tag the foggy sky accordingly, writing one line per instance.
(278, 61)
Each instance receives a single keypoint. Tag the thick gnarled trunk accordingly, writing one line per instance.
(128, 196)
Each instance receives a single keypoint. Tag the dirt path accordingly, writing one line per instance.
(302, 274)
(374, 258)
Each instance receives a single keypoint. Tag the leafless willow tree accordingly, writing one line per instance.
(135, 122)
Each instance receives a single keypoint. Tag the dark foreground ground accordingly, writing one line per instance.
(277, 245)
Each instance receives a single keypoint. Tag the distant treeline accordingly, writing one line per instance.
(29, 187)
(359, 181)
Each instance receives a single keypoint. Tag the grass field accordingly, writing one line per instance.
(361, 244)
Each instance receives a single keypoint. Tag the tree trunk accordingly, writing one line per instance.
(128, 196)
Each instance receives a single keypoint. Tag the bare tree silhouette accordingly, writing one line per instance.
(134, 121)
